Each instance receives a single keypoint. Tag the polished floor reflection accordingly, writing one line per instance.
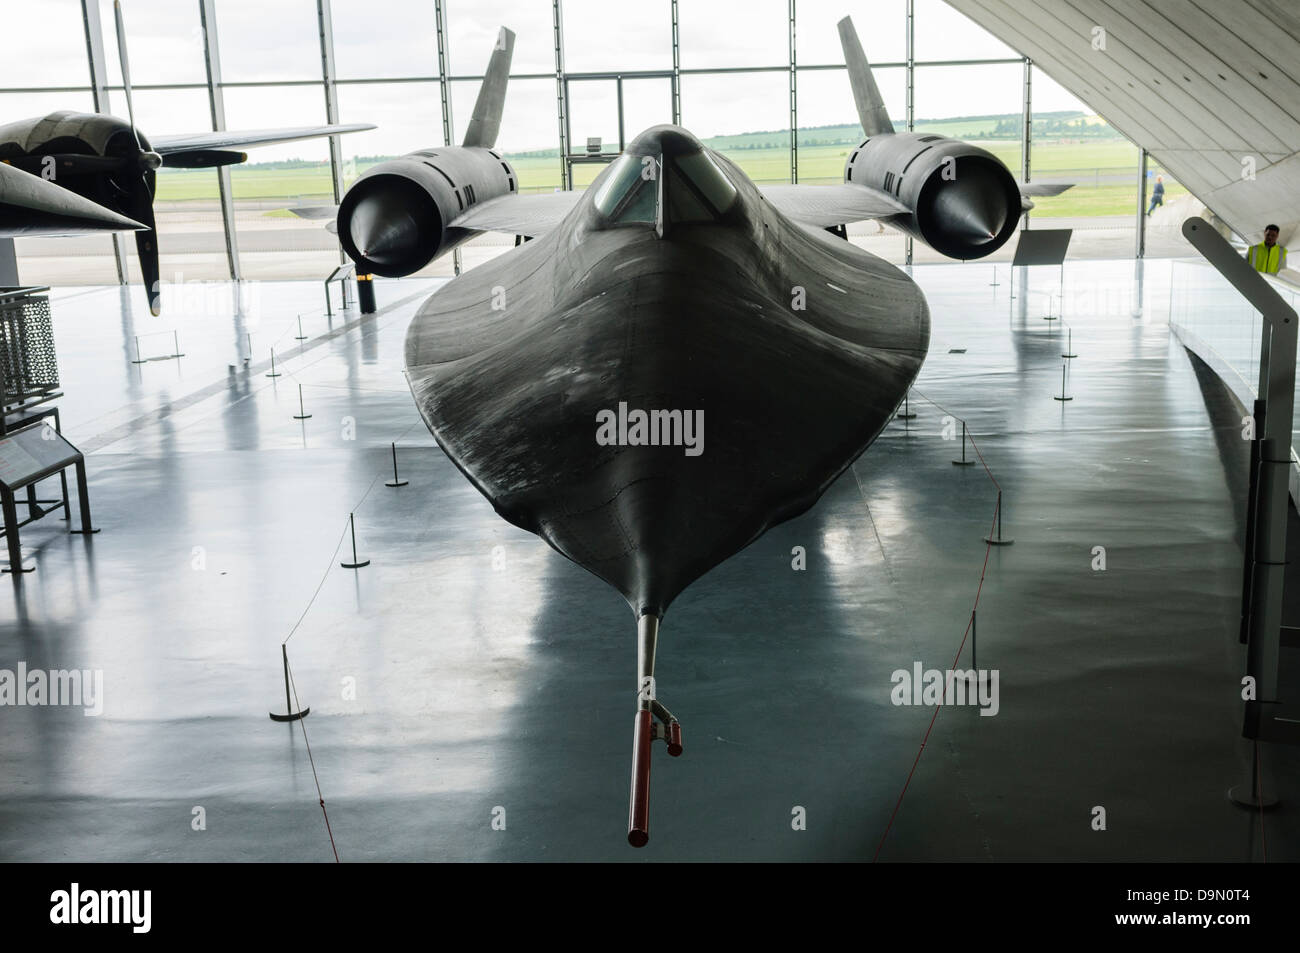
(469, 668)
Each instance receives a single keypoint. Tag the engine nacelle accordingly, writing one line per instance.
(396, 218)
(963, 201)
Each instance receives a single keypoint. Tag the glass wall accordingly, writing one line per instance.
(366, 46)
(726, 69)
(745, 116)
(601, 37)
(733, 33)
(164, 40)
(882, 28)
(186, 207)
(1212, 319)
(1073, 144)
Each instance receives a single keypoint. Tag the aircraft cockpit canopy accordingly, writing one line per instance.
(693, 190)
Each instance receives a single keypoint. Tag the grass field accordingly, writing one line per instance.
(1085, 161)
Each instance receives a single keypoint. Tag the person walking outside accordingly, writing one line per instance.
(1157, 194)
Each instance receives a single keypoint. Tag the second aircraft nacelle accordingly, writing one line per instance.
(964, 202)
(396, 217)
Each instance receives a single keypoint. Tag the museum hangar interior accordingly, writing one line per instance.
(933, 358)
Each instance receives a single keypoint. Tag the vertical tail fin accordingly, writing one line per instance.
(871, 107)
(486, 121)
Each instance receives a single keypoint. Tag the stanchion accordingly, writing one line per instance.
(994, 282)
(356, 563)
(274, 372)
(301, 336)
(366, 291)
(1250, 795)
(396, 480)
(1062, 395)
(302, 411)
(906, 414)
(1049, 316)
(290, 715)
(999, 539)
(1069, 344)
(963, 462)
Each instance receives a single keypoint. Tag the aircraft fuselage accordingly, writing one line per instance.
(795, 346)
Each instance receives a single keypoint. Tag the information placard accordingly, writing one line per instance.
(1042, 246)
(33, 450)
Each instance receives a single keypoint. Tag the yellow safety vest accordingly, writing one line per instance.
(1265, 259)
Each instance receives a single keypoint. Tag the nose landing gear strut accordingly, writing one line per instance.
(653, 722)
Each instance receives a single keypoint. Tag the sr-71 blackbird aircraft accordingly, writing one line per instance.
(681, 359)
(108, 161)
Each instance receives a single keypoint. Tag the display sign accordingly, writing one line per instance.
(31, 451)
(1042, 246)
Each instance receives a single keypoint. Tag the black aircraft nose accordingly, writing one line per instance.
(664, 140)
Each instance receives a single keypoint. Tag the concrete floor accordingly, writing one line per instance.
(490, 673)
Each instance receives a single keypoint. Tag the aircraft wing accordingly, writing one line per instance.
(827, 205)
(1044, 189)
(820, 205)
(1041, 189)
(533, 214)
(29, 205)
(315, 211)
(326, 213)
(202, 141)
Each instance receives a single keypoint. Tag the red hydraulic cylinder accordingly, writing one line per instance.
(675, 739)
(638, 822)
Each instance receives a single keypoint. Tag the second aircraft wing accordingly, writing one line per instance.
(176, 147)
(532, 215)
(828, 205)
(819, 205)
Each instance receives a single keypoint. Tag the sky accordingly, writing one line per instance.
(264, 40)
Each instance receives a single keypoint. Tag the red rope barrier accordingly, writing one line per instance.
(965, 634)
(312, 761)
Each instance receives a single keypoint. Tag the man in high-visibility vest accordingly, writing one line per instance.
(1268, 256)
